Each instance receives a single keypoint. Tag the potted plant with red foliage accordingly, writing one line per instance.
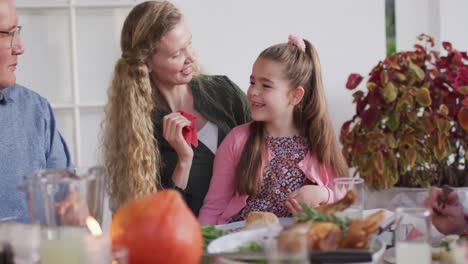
(410, 128)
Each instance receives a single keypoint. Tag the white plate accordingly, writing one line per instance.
(235, 226)
(231, 242)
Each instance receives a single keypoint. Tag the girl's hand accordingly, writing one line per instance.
(172, 131)
(311, 195)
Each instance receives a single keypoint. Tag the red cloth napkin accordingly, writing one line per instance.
(190, 132)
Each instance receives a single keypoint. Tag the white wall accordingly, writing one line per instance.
(349, 37)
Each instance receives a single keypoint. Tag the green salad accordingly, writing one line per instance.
(210, 233)
(251, 246)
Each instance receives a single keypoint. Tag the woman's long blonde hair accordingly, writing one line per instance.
(131, 153)
(302, 68)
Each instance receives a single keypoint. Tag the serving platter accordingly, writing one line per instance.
(231, 242)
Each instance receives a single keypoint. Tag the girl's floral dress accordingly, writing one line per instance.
(280, 177)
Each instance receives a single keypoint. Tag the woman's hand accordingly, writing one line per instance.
(448, 217)
(311, 195)
(172, 131)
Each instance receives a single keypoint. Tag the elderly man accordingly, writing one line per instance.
(29, 139)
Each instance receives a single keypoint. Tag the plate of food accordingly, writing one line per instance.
(328, 237)
(253, 245)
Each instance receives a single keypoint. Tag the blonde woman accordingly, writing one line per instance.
(155, 78)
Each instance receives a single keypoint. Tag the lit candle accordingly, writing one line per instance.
(96, 248)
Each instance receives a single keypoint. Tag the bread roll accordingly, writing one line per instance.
(260, 219)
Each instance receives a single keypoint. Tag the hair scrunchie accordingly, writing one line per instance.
(297, 41)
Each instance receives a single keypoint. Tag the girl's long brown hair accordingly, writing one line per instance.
(310, 116)
(131, 153)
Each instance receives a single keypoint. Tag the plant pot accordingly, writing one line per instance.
(405, 197)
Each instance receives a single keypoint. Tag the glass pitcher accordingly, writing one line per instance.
(65, 197)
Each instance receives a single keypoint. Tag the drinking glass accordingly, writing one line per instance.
(345, 184)
(65, 197)
(60, 200)
(19, 243)
(413, 235)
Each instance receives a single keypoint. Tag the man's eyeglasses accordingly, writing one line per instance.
(13, 34)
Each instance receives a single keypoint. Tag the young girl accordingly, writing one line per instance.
(289, 154)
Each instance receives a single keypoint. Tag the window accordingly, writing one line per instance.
(71, 47)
